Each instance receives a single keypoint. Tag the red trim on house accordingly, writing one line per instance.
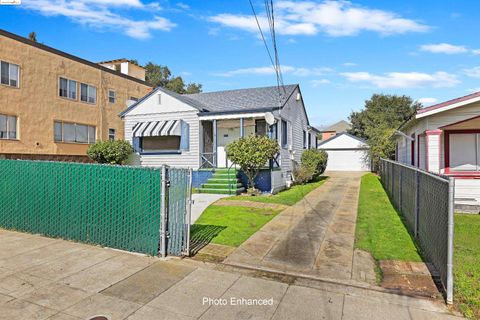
(458, 122)
(433, 132)
(446, 146)
(449, 102)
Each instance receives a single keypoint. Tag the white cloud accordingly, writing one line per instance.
(349, 64)
(319, 82)
(404, 79)
(476, 52)
(269, 70)
(183, 6)
(427, 101)
(443, 48)
(100, 14)
(472, 72)
(335, 18)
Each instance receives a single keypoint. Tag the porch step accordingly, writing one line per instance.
(233, 185)
(221, 175)
(221, 191)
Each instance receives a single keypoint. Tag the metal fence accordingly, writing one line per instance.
(425, 200)
(115, 206)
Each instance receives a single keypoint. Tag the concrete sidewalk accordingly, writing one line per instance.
(42, 278)
(315, 237)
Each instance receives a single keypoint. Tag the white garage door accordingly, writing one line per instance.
(347, 160)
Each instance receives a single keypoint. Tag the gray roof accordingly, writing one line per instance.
(341, 126)
(265, 98)
(229, 101)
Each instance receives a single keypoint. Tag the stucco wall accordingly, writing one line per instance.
(36, 103)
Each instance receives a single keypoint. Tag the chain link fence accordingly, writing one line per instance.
(425, 200)
(114, 206)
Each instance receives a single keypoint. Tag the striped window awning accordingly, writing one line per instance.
(158, 128)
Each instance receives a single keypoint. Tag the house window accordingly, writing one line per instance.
(304, 139)
(464, 152)
(112, 96)
(67, 88)
(8, 127)
(273, 131)
(112, 134)
(73, 133)
(159, 98)
(10, 73)
(260, 127)
(160, 144)
(88, 93)
(284, 134)
(133, 99)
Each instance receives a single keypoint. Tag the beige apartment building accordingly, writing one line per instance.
(53, 104)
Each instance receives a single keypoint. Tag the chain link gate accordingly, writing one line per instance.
(426, 201)
(122, 207)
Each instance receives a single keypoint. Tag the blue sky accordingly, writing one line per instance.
(340, 52)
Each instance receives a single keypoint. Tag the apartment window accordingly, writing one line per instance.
(68, 88)
(112, 134)
(73, 132)
(112, 96)
(284, 134)
(88, 93)
(10, 73)
(8, 127)
(133, 99)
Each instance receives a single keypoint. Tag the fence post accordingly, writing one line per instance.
(417, 202)
(451, 199)
(189, 210)
(400, 191)
(163, 213)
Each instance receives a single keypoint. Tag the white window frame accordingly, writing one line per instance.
(69, 81)
(89, 88)
(114, 96)
(112, 134)
(89, 140)
(10, 74)
(7, 116)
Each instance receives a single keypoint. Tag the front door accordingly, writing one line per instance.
(207, 155)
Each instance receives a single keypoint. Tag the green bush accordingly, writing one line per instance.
(252, 153)
(315, 161)
(113, 152)
(303, 174)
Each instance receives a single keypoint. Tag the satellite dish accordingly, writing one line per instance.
(269, 118)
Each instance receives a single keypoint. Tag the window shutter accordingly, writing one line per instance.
(136, 144)
(185, 138)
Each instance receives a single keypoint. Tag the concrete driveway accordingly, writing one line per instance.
(43, 278)
(315, 237)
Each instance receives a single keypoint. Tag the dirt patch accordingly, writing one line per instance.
(409, 278)
(251, 204)
(214, 253)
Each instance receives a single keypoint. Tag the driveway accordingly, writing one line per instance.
(43, 278)
(315, 237)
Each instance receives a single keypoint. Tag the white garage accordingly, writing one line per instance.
(346, 153)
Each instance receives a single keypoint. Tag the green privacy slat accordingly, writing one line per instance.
(113, 206)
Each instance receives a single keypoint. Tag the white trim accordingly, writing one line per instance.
(446, 108)
(232, 116)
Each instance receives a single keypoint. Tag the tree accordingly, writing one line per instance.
(110, 151)
(32, 36)
(379, 119)
(251, 154)
(160, 76)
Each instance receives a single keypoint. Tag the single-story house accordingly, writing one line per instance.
(192, 130)
(445, 139)
(346, 153)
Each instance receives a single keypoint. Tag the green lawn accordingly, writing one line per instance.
(379, 227)
(230, 225)
(288, 197)
(466, 268)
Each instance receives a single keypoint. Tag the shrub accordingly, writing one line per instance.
(303, 174)
(252, 153)
(113, 152)
(315, 160)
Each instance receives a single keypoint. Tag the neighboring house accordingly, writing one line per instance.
(445, 139)
(330, 131)
(53, 104)
(346, 153)
(192, 131)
